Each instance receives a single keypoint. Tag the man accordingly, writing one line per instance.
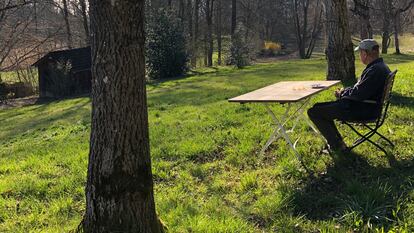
(360, 102)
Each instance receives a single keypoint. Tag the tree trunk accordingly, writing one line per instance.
(209, 20)
(233, 16)
(396, 32)
(190, 30)
(195, 34)
(85, 20)
(386, 8)
(218, 33)
(316, 29)
(119, 189)
(301, 30)
(67, 24)
(340, 52)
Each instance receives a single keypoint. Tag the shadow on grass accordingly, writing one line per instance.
(352, 190)
(401, 100)
(75, 112)
(392, 59)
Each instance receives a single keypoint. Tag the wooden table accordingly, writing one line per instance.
(289, 92)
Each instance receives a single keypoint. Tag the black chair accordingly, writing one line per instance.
(373, 125)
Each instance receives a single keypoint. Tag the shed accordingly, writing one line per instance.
(65, 73)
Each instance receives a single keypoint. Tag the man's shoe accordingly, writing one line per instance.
(342, 148)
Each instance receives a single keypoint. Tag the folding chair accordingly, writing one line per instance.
(372, 125)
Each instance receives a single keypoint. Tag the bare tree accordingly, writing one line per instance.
(67, 23)
(306, 38)
(119, 190)
(209, 34)
(399, 8)
(362, 10)
(218, 31)
(84, 12)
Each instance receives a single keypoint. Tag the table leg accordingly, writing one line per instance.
(284, 134)
(275, 135)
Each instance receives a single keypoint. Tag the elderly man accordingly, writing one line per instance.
(360, 102)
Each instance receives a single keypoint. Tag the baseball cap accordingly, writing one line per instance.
(367, 44)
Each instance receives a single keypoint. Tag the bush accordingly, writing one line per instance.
(166, 45)
(271, 49)
(239, 49)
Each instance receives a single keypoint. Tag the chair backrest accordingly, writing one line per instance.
(386, 96)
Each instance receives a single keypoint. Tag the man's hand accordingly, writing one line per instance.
(338, 92)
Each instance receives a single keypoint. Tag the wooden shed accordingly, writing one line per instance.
(65, 73)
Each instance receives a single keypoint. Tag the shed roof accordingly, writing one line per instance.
(80, 58)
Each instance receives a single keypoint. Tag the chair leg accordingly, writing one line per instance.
(382, 136)
(365, 137)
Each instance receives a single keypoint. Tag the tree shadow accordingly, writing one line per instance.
(392, 59)
(352, 188)
(401, 100)
(41, 120)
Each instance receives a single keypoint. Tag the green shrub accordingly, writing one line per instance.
(166, 45)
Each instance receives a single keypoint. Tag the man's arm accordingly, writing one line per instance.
(366, 87)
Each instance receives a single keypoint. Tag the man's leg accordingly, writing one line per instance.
(323, 116)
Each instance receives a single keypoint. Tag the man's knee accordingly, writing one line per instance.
(312, 112)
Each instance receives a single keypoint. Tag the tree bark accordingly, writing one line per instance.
(67, 24)
(340, 52)
(119, 190)
(85, 20)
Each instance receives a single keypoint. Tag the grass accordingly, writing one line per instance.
(207, 171)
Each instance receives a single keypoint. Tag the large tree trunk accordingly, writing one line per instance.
(119, 190)
(340, 52)
(67, 24)
(85, 20)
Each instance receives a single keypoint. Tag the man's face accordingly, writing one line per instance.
(363, 56)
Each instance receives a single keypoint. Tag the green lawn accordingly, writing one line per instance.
(208, 174)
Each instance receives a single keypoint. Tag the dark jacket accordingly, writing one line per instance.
(371, 84)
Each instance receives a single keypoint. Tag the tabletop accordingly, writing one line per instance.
(285, 92)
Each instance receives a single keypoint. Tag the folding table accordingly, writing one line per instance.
(296, 93)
